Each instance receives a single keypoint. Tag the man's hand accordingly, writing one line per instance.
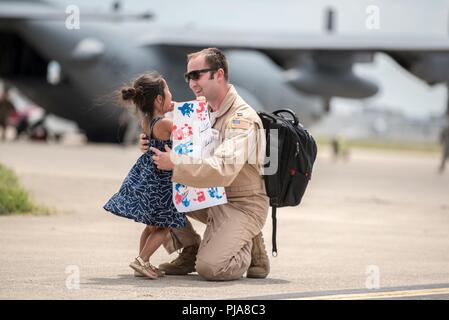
(143, 143)
(162, 159)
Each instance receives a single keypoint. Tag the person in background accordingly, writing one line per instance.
(6, 109)
(444, 139)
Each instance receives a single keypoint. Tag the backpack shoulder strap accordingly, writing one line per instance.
(274, 250)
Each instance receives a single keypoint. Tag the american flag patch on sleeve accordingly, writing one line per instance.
(240, 123)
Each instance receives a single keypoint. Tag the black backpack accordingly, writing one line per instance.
(296, 153)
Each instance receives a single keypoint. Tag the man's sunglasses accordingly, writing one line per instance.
(196, 74)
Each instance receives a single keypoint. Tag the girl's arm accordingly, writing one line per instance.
(162, 129)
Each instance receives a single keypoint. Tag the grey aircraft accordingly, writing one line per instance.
(70, 56)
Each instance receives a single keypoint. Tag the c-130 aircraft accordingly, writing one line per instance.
(273, 60)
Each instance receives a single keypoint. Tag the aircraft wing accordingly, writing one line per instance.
(292, 41)
(194, 37)
(11, 11)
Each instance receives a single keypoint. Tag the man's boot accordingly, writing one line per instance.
(183, 264)
(260, 264)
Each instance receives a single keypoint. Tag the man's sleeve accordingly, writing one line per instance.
(229, 157)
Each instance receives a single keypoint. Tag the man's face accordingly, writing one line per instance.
(203, 86)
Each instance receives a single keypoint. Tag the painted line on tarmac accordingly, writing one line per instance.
(436, 290)
(379, 295)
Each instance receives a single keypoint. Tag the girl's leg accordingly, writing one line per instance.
(150, 240)
(144, 236)
(154, 241)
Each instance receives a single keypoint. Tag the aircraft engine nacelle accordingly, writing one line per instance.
(432, 68)
(330, 74)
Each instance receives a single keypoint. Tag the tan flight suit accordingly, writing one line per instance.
(225, 251)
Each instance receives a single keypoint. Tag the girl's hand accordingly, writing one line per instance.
(143, 143)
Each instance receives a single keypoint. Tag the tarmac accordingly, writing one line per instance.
(373, 227)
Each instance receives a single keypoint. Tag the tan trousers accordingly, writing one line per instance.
(225, 251)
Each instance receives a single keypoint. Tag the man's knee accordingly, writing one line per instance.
(218, 271)
(205, 270)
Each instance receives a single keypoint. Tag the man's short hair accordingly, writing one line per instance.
(214, 57)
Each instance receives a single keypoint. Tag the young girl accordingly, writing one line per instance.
(146, 193)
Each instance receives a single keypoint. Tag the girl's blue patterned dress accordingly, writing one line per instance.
(146, 194)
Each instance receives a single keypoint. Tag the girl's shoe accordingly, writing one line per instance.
(158, 272)
(138, 274)
(144, 268)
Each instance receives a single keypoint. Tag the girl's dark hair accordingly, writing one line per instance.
(142, 93)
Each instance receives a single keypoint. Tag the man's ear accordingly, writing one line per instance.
(220, 73)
